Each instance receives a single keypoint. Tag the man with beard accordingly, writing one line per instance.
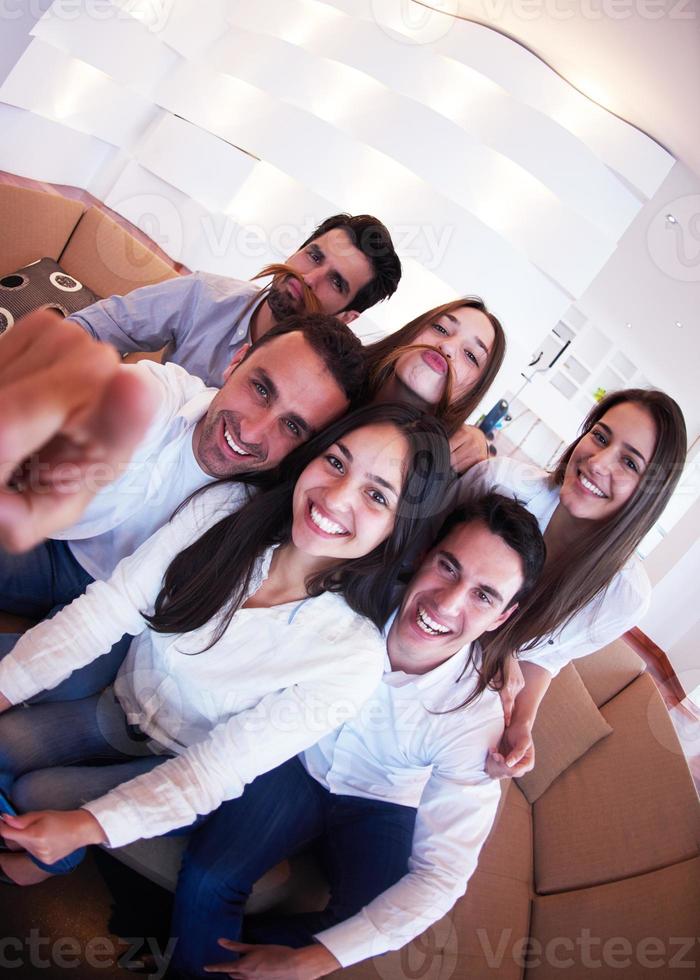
(347, 265)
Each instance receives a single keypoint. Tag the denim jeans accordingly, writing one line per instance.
(364, 848)
(39, 583)
(42, 744)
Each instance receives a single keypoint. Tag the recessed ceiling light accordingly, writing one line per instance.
(629, 326)
(671, 219)
(679, 324)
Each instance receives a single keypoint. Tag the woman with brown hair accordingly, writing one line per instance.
(608, 489)
(444, 361)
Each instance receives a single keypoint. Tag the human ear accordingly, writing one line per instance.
(235, 360)
(347, 316)
(506, 614)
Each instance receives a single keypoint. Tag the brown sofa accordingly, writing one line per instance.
(599, 877)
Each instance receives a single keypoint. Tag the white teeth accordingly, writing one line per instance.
(429, 625)
(328, 526)
(234, 446)
(590, 486)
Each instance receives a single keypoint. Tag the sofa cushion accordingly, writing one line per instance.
(567, 725)
(632, 928)
(626, 808)
(105, 256)
(41, 284)
(609, 670)
(34, 224)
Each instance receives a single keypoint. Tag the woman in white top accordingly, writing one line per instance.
(255, 634)
(607, 491)
(444, 361)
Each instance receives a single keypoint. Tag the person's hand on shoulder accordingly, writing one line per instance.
(70, 417)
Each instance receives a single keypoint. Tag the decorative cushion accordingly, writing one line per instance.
(41, 285)
(567, 725)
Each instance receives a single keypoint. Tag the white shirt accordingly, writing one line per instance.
(397, 750)
(162, 472)
(275, 682)
(608, 615)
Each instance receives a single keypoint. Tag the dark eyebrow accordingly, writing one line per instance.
(370, 476)
(272, 388)
(273, 392)
(344, 284)
(625, 445)
(489, 590)
(451, 559)
(302, 424)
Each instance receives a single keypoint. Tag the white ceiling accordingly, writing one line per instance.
(646, 69)
(620, 53)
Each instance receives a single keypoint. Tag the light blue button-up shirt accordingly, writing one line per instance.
(201, 319)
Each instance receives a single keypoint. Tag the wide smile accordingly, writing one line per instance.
(236, 450)
(589, 486)
(323, 524)
(428, 625)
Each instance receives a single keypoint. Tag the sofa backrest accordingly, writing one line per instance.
(109, 260)
(34, 225)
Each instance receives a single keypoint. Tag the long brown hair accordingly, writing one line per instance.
(383, 355)
(210, 577)
(572, 580)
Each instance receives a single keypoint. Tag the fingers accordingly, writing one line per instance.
(507, 702)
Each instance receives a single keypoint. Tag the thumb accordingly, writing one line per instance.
(517, 752)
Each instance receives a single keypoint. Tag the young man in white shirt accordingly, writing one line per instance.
(398, 797)
(348, 263)
(293, 382)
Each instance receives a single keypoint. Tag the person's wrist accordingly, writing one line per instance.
(315, 961)
(90, 829)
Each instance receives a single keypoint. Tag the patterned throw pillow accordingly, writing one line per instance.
(41, 285)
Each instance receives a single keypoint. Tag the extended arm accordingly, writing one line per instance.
(70, 417)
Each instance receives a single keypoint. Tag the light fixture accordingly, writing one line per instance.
(679, 324)
(671, 219)
(629, 326)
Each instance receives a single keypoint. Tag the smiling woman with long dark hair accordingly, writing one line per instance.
(608, 489)
(255, 632)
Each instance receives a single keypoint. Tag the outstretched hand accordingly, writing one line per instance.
(70, 417)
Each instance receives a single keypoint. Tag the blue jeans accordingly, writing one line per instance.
(41, 744)
(39, 583)
(364, 847)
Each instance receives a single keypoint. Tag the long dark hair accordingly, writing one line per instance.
(211, 576)
(572, 580)
(383, 355)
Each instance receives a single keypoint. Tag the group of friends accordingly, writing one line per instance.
(301, 605)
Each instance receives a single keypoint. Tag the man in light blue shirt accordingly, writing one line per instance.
(201, 320)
